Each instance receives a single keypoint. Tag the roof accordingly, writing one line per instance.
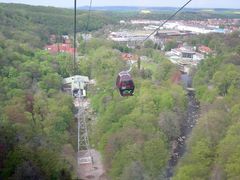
(56, 48)
(128, 56)
(183, 50)
(75, 79)
(204, 49)
(125, 76)
(186, 50)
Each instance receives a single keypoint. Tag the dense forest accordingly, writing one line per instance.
(34, 24)
(213, 148)
(35, 116)
(134, 134)
(37, 138)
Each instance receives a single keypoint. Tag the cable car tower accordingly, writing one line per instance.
(83, 151)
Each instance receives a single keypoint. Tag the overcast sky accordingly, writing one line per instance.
(161, 3)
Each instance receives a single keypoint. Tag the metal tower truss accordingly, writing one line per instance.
(84, 154)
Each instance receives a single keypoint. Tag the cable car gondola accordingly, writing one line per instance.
(125, 84)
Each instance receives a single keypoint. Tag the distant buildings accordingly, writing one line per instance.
(145, 22)
(86, 37)
(184, 56)
(122, 22)
(124, 36)
(194, 27)
(63, 47)
(171, 29)
(205, 50)
(133, 37)
(129, 57)
(145, 11)
(119, 36)
(150, 27)
(59, 48)
(187, 56)
(162, 36)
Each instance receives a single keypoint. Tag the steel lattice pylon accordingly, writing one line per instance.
(84, 154)
(83, 143)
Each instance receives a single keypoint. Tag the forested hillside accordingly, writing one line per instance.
(213, 148)
(37, 135)
(38, 138)
(136, 135)
(35, 114)
(34, 24)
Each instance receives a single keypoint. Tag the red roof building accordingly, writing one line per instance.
(127, 57)
(57, 48)
(204, 49)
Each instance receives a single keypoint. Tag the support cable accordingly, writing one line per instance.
(87, 26)
(169, 18)
(74, 37)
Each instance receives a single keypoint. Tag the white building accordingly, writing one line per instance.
(171, 25)
(119, 36)
(151, 27)
(194, 29)
(86, 37)
(184, 55)
(122, 22)
(144, 21)
(125, 36)
(76, 85)
(197, 29)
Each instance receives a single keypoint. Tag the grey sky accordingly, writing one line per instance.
(169, 3)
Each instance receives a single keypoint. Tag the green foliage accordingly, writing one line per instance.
(228, 153)
(223, 83)
(213, 149)
(122, 48)
(134, 171)
(33, 25)
(24, 163)
(35, 116)
(202, 145)
(164, 71)
(128, 131)
(170, 45)
(206, 94)
(149, 44)
(51, 81)
(170, 124)
(155, 156)
(134, 134)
